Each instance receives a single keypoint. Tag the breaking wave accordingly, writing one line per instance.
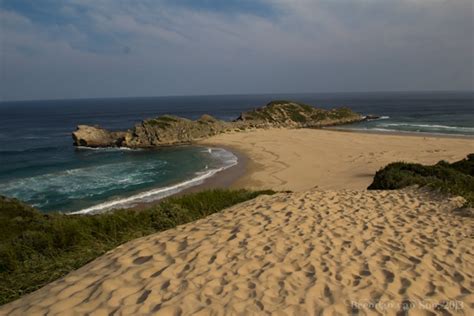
(228, 159)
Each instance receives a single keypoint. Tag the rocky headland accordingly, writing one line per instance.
(172, 130)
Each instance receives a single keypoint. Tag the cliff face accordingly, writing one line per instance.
(171, 130)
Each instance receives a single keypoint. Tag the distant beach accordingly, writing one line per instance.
(297, 160)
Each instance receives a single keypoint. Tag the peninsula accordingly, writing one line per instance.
(173, 130)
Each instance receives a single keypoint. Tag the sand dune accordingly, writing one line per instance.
(299, 159)
(308, 253)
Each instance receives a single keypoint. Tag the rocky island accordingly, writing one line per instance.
(172, 130)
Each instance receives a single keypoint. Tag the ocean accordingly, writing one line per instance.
(40, 166)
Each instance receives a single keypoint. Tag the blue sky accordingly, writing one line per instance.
(113, 48)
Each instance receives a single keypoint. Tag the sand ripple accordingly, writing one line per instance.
(309, 253)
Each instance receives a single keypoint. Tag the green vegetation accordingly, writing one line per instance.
(162, 122)
(319, 115)
(278, 102)
(166, 118)
(262, 114)
(334, 114)
(280, 111)
(37, 248)
(157, 123)
(294, 112)
(456, 178)
(340, 113)
(304, 107)
(307, 108)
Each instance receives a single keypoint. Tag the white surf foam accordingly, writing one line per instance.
(379, 118)
(228, 159)
(431, 127)
(108, 148)
(388, 130)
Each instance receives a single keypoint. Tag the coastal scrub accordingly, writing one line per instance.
(456, 178)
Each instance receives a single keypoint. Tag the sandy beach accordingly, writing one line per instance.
(329, 248)
(301, 159)
(310, 253)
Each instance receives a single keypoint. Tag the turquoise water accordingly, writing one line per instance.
(106, 178)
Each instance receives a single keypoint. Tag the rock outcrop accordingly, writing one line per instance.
(169, 130)
(298, 115)
(95, 136)
(372, 117)
(172, 130)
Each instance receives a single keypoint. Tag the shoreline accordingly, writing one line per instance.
(225, 179)
(398, 133)
(331, 159)
(202, 180)
(240, 176)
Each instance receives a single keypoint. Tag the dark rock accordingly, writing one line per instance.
(371, 117)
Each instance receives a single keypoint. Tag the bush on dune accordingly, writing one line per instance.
(456, 178)
(37, 248)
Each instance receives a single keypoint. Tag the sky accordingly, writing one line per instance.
(60, 49)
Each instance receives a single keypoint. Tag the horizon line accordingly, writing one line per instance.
(235, 94)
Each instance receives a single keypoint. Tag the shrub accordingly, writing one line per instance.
(456, 178)
(295, 113)
(341, 113)
(319, 116)
(158, 123)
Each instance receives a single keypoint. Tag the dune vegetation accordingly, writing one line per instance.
(37, 248)
(455, 178)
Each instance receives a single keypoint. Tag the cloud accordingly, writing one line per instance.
(142, 48)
